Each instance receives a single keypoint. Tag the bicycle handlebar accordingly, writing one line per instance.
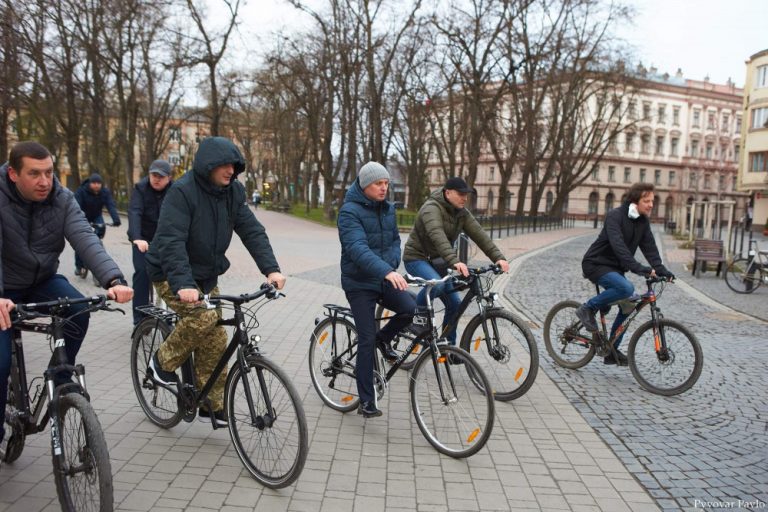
(452, 274)
(37, 309)
(266, 290)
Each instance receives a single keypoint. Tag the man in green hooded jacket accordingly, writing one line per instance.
(429, 250)
(199, 214)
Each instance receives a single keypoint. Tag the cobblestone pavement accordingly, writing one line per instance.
(544, 453)
(705, 448)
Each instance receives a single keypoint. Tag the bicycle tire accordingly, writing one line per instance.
(14, 430)
(512, 363)
(81, 469)
(460, 426)
(742, 281)
(560, 328)
(645, 362)
(401, 341)
(280, 433)
(159, 405)
(333, 377)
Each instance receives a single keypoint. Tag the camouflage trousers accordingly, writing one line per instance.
(196, 333)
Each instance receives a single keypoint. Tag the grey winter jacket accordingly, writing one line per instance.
(32, 237)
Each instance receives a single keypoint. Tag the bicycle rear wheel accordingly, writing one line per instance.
(742, 276)
(505, 349)
(159, 404)
(454, 415)
(332, 351)
(271, 438)
(81, 465)
(669, 371)
(566, 339)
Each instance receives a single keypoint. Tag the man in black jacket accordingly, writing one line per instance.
(200, 212)
(93, 197)
(146, 200)
(613, 253)
(38, 215)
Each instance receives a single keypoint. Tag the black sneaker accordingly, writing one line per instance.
(587, 317)
(418, 329)
(610, 359)
(219, 417)
(386, 350)
(369, 410)
(162, 376)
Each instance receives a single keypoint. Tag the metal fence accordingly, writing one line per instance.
(499, 226)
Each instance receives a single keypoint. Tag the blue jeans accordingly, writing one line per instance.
(616, 287)
(100, 233)
(444, 291)
(74, 332)
(141, 283)
(363, 306)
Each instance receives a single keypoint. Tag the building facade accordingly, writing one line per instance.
(753, 164)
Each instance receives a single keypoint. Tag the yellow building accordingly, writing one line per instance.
(753, 164)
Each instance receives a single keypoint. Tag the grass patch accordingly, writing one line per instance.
(405, 218)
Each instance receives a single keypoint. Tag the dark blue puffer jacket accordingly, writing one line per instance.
(370, 242)
(93, 204)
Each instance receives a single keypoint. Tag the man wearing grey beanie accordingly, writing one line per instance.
(370, 255)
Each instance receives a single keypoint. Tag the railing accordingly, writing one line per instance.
(499, 226)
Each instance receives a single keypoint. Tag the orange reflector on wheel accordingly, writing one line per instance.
(416, 349)
(518, 374)
(657, 342)
(441, 359)
(322, 338)
(347, 398)
(473, 435)
(477, 344)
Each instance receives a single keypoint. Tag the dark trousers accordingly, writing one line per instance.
(74, 332)
(141, 284)
(363, 305)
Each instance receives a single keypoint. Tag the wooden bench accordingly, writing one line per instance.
(705, 251)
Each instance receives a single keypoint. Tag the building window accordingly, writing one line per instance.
(593, 199)
(673, 146)
(174, 159)
(595, 172)
(662, 114)
(761, 77)
(736, 149)
(642, 175)
(695, 148)
(696, 118)
(645, 144)
(710, 120)
(738, 125)
(693, 181)
(660, 145)
(721, 182)
(724, 126)
(708, 150)
(723, 152)
(492, 173)
(676, 116)
(490, 202)
(646, 111)
(707, 181)
(629, 142)
(550, 200)
(758, 162)
(174, 134)
(759, 118)
(627, 175)
(611, 173)
(671, 178)
(609, 202)
(657, 177)
(632, 109)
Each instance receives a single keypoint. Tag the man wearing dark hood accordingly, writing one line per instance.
(199, 214)
(93, 197)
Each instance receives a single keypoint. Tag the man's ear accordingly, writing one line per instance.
(13, 174)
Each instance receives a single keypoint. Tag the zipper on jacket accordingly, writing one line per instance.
(29, 242)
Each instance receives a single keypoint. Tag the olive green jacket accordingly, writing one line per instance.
(438, 225)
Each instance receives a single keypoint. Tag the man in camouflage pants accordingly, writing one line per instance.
(199, 214)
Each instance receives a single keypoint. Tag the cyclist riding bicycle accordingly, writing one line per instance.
(199, 214)
(613, 253)
(429, 250)
(93, 197)
(39, 214)
(370, 255)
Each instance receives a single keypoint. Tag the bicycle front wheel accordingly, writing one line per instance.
(743, 276)
(505, 349)
(566, 339)
(81, 465)
(266, 422)
(453, 413)
(332, 352)
(665, 371)
(159, 404)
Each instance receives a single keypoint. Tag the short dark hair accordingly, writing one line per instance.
(637, 190)
(27, 148)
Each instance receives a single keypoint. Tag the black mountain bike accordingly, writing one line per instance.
(451, 397)
(266, 418)
(497, 339)
(664, 356)
(81, 467)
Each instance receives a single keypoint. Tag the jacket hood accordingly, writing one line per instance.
(216, 151)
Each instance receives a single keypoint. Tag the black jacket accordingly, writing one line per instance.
(197, 220)
(615, 247)
(93, 204)
(144, 210)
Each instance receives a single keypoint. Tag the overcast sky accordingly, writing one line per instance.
(703, 37)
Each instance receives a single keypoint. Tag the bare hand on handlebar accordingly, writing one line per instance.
(396, 280)
(120, 293)
(189, 295)
(276, 279)
(6, 306)
(462, 269)
(503, 265)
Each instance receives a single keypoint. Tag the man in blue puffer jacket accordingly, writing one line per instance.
(370, 255)
(93, 197)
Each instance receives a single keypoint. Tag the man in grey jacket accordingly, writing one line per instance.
(38, 215)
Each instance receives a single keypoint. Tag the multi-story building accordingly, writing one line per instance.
(753, 164)
(684, 138)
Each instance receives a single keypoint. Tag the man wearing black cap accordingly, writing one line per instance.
(429, 251)
(93, 196)
(146, 200)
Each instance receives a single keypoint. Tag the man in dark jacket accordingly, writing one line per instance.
(429, 250)
(613, 253)
(146, 200)
(38, 216)
(93, 197)
(200, 212)
(370, 255)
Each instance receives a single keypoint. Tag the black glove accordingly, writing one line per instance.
(663, 272)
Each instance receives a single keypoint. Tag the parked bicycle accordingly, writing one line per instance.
(81, 467)
(497, 339)
(664, 356)
(266, 418)
(745, 275)
(451, 397)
